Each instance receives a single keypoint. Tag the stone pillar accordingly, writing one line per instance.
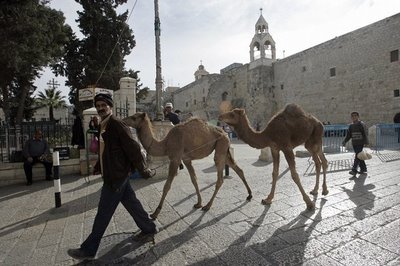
(126, 95)
(87, 159)
(265, 155)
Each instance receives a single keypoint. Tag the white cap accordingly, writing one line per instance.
(169, 105)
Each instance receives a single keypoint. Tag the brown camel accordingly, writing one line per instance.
(185, 142)
(286, 130)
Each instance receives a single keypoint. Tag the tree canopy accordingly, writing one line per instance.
(98, 58)
(33, 36)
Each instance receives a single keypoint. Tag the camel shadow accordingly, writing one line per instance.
(361, 195)
(169, 244)
(285, 246)
(260, 163)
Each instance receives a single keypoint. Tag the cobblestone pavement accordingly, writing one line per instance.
(357, 223)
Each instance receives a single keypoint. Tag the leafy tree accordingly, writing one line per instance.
(52, 99)
(97, 59)
(33, 35)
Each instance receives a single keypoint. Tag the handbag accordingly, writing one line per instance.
(363, 155)
(94, 145)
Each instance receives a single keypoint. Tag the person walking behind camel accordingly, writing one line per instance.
(358, 134)
(118, 153)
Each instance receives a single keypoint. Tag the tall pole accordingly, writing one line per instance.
(157, 31)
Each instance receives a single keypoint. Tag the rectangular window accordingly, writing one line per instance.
(394, 56)
(281, 86)
(332, 71)
(396, 93)
(187, 104)
(194, 102)
(303, 69)
(204, 99)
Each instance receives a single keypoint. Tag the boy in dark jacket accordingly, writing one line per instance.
(358, 134)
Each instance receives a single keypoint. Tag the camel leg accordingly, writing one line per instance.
(193, 177)
(231, 162)
(324, 161)
(289, 155)
(220, 153)
(172, 171)
(275, 172)
(317, 163)
(218, 184)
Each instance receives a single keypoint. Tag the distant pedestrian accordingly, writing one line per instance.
(170, 115)
(36, 150)
(358, 134)
(118, 153)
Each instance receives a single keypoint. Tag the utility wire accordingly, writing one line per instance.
(115, 46)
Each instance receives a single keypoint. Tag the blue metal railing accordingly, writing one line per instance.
(387, 137)
(333, 138)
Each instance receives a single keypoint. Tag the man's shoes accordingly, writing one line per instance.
(181, 166)
(79, 254)
(352, 172)
(363, 172)
(29, 183)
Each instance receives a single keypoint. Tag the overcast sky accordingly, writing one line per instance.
(218, 32)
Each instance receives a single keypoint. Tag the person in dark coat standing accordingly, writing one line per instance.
(119, 154)
(357, 132)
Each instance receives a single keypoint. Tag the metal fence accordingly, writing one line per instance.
(387, 137)
(333, 138)
(13, 138)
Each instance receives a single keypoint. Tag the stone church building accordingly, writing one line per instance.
(356, 71)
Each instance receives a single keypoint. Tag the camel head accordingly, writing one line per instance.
(232, 118)
(136, 120)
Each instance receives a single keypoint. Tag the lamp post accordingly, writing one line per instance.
(157, 31)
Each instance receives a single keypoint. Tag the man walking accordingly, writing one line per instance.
(118, 153)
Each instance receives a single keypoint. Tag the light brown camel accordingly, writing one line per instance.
(286, 130)
(185, 142)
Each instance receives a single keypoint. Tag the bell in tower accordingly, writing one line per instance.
(262, 45)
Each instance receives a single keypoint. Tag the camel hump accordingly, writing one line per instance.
(293, 109)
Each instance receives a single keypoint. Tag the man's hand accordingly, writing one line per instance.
(30, 159)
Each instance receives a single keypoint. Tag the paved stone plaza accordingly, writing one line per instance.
(357, 223)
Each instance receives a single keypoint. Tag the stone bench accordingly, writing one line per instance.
(13, 173)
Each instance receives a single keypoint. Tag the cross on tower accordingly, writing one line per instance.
(54, 84)
(261, 11)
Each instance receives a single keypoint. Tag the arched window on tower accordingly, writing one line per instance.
(268, 49)
(261, 29)
(256, 50)
(224, 96)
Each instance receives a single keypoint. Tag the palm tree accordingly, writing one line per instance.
(52, 99)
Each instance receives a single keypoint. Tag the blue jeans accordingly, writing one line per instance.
(108, 203)
(358, 162)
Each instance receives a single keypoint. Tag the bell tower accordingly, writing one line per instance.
(262, 46)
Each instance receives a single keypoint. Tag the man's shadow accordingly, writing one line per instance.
(361, 195)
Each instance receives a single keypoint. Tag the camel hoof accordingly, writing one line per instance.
(266, 202)
(205, 208)
(325, 192)
(197, 206)
(153, 216)
(314, 192)
(311, 206)
(249, 197)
